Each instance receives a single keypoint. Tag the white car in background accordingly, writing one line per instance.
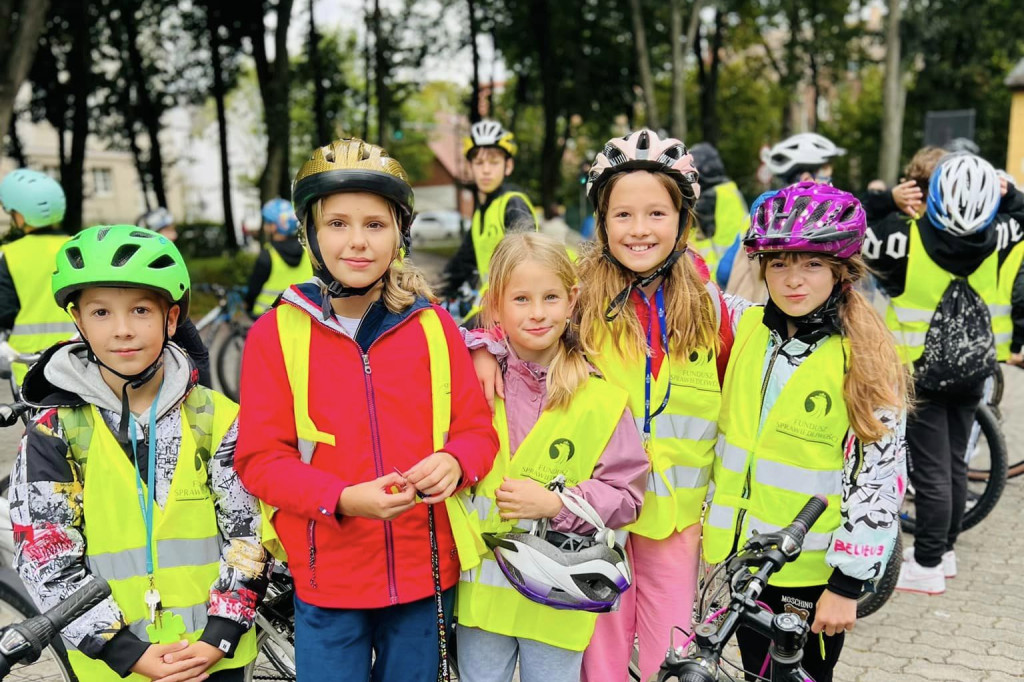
(432, 226)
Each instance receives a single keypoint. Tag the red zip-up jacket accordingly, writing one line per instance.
(374, 396)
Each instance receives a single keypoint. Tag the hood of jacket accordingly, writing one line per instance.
(958, 255)
(66, 377)
(710, 169)
(290, 250)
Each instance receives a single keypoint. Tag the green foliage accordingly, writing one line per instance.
(230, 271)
(200, 239)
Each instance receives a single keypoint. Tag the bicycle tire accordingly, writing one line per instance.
(870, 602)
(982, 499)
(273, 662)
(52, 665)
(5, 486)
(229, 363)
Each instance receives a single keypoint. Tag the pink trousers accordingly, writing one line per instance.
(664, 585)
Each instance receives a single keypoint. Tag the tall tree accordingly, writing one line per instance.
(679, 47)
(643, 59)
(474, 95)
(380, 68)
(274, 79)
(708, 69)
(894, 97)
(214, 25)
(21, 23)
(319, 91)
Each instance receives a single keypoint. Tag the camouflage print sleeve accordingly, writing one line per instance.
(46, 514)
(874, 481)
(245, 565)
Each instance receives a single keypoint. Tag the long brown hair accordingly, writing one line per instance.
(569, 368)
(691, 317)
(876, 378)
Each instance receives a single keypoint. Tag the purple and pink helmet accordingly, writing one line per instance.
(806, 218)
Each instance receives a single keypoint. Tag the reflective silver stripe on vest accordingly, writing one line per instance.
(478, 504)
(1004, 337)
(656, 485)
(679, 477)
(487, 573)
(905, 338)
(679, 426)
(733, 458)
(998, 310)
(195, 618)
(813, 542)
(44, 328)
(799, 480)
(913, 314)
(721, 516)
(172, 554)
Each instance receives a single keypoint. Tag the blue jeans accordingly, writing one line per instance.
(339, 644)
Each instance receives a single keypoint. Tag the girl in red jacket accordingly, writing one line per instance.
(336, 429)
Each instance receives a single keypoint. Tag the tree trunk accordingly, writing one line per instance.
(323, 135)
(708, 78)
(367, 71)
(679, 47)
(551, 159)
(379, 69)
(149, 113)
(519, 99)
(893, 99)
(219, 92)
(16, 150)
(17, 50)
(131, 126)
(644, 63)
(80, 72)
(474, 95)
(274, 80)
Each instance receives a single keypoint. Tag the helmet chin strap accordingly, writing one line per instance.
(133, 381)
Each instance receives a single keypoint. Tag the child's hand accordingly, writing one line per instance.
(488, 372)
(524, 498)
(436, 476)
(199, 651)
(907, 197)
(381, 499)
(152, 666)
(834, 614)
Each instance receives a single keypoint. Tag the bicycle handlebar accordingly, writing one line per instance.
(25, 641)
(9, 414)
(748, 573)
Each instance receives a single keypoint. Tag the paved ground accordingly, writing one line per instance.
(973, 632)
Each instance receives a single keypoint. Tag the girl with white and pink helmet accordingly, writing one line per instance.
(652, 324)
(813, 402)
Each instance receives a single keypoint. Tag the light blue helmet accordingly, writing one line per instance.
(157, 219)
(281, 214)
(36, 196)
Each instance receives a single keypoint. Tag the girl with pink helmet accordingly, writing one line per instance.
(813, 402)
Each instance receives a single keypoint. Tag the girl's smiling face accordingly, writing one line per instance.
(358, 237)
(642, 222)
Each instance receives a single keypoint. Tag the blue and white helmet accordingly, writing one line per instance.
(157, 219)
(281, 214)
(963, 195)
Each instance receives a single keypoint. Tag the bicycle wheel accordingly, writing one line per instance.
(869, 602)
(276, 659)
(52, 665)
(986, 475)
(229, 362)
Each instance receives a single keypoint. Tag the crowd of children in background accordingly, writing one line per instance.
(546, 479)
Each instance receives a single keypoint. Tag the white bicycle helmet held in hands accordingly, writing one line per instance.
(963, 194)
(564, 570)
(803, 152)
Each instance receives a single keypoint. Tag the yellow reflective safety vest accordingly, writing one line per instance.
(682, 441)
(281, 277)
(186, 539)
(39, 323)
(570, 442)
(730, 222)
(909, 315)
(764, 473)
(293, 329)
(488, 230)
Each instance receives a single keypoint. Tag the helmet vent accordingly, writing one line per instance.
(819, 212)
(102, 233)
(141, 235)
(848, 214)
(329, 153)
(163, 261)
(74, 256)
(124, 254)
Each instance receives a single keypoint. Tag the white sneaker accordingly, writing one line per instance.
(949, 564)
(948, 561)
(916, 578)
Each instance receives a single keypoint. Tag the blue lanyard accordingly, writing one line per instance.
(659, 302)
(148, 505)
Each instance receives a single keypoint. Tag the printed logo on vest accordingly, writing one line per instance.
(562, 449)
(818, 404)
(191, 493)
(695, 373)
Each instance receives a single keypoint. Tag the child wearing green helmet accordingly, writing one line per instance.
(131, 476)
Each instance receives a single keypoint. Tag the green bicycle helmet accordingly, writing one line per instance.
(120, 256)
(36, 196)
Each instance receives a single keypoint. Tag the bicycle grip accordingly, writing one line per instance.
(9, 414)
(41, 629)
(814, 508)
